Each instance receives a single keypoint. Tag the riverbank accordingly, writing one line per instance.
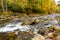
(11, 15)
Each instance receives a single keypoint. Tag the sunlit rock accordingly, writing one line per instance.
(41, 31)
(38, 37)
(58, 38)
(53, 28)
(31, 22)
(50, 35)
(57, 29)
(26, 22)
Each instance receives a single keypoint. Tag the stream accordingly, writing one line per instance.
(14, 24)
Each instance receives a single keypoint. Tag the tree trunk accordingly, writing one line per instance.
(5, 4)
(2, 6)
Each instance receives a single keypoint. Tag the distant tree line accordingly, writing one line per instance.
(29, 6)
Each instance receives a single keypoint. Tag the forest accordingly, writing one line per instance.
(27, 6)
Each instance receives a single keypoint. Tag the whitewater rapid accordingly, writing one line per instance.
(10, 27)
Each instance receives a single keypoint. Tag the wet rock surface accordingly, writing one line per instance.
(31, 28)
(38, 37)
(42, 34)
(25, 36)
(12, 36)
(8, 36)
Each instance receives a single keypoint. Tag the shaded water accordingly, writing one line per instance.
(14, 24)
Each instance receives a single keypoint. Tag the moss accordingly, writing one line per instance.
(11, 34)
(51, 28)
(8, 36)
(57, 29)
(25, 36)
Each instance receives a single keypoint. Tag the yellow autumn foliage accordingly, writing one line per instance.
(41, 6)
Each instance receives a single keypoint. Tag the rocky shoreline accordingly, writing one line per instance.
(32, 28)
(52, 34)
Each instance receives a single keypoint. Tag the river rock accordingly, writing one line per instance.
(51, 28)
(31, 22)
(38, 37)
(54, 28)
(58, 19)
(8, 36)
(58, 38)
(50, 35)
(27, 22)
(48, 39)
(24, 36)
(57, 29)
(41, 31)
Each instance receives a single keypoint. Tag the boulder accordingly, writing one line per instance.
(38, 37)
(41, 31)
(50, 35)
(58, 38)
(31, 22)
(8, 36)
(24, 36)
(27, 22)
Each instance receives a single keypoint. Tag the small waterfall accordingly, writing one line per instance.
(10, 27)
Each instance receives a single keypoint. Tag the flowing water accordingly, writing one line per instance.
(15, 24)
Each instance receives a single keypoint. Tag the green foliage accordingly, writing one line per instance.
(18, 6)
(48, 6)
(58, 8)
(29, 6)
(37, 6)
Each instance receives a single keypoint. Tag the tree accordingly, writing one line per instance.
(17, 5)
(44, 6)
(2, 4)
(5, 5)
(48, 6)
(30, 6)
(37, 6)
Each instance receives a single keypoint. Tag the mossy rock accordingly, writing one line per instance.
(57, 29)
(58, 19)
(38, 37)
(8, 36)
(52, 28)
(31, 22)
(26, 22)
(37, 20)
(58, 38)
(24, 36)
(11, 34)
